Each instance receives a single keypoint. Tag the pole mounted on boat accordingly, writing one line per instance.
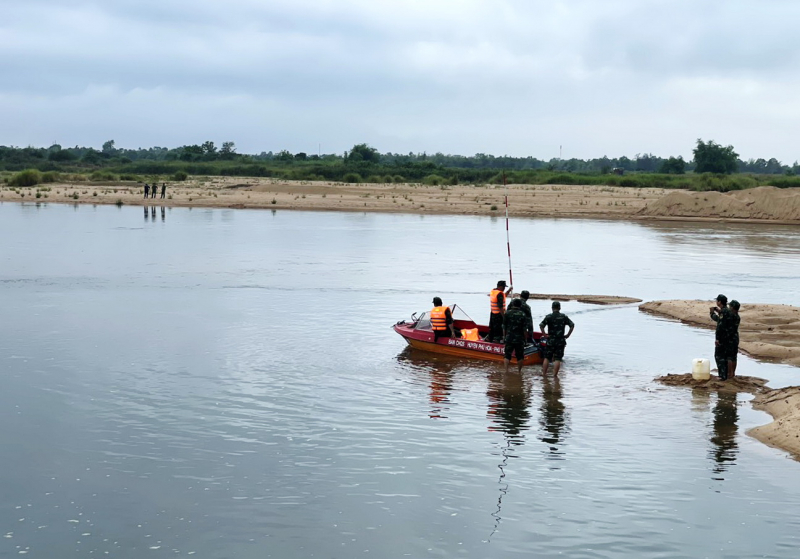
(508, 238)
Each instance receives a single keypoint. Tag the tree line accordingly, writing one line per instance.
(365, 163)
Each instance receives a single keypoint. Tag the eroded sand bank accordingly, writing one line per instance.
(783, 405)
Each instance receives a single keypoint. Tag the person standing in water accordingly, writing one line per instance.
(556, 339)
(515, 325)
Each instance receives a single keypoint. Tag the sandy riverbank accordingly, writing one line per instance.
(755, 204)
(770, 332)
(763, 204)
(237, 192)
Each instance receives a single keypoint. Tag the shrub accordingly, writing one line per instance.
(128, 177)
(374, 179)
(103, 176)
(180, 176)
(28, 177)
(352, 177)
(434, 180)
(50, 176)
(398, 178)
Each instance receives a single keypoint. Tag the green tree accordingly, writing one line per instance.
(209, 148)
(673, 166)
(363, 152)
(711, 157)
(228, 150)
(108, 147)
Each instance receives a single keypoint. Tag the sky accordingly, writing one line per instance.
(570, 78)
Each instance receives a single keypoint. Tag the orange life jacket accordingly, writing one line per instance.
(439, 318)
(470, 334)
(496, 308)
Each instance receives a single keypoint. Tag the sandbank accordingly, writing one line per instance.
(596, 202)
(768, 332)
(758, 205)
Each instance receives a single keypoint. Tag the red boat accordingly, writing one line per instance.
(418, 333)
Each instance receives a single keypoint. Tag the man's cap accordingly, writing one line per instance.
(556, 305)
(525, 294)
(722, 298)
(735, 304)
(501, 283)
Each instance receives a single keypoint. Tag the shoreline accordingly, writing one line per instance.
(529, 201)
(760, 340)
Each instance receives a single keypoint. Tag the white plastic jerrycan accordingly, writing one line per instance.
(701, 369)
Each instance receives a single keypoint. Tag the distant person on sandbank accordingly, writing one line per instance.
(163, 190)
(146, 190)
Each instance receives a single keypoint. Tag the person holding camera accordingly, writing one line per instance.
(721, 314)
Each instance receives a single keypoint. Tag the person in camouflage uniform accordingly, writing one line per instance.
(723, 335)
(556, 339)
(523, 297)
(514, 328)
(733, 338)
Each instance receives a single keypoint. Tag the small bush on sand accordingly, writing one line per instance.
(28, 177)
(352, 177)
(180, 176)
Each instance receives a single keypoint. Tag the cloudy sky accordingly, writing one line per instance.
(516, 77)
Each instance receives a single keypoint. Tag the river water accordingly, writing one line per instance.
(224, 383)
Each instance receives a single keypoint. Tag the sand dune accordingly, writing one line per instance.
(762, 203)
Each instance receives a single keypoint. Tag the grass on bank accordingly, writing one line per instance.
(176, 171)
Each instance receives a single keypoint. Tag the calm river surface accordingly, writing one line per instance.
(224, 383)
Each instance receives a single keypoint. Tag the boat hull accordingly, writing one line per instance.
(457, 347)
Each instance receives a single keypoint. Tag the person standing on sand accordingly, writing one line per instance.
(733, 338)
(163, 190)
(154, 190)
(497, 298)
(721, 314)
(441, 321)
(146, 189)
(515, 324)
(556, 340)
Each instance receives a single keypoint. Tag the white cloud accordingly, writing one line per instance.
(517, 77)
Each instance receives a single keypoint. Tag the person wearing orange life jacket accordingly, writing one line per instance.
(497, 299)
(441, 321)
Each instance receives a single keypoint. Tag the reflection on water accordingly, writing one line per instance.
(553, 419)
(723, 439)
(161, 401)
(509, 399)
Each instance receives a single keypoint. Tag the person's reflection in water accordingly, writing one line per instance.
(153, 212)
(553, 419)
(146, 213)
(509, 399)
(163, 213)
(724, 448)
(441, 386)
